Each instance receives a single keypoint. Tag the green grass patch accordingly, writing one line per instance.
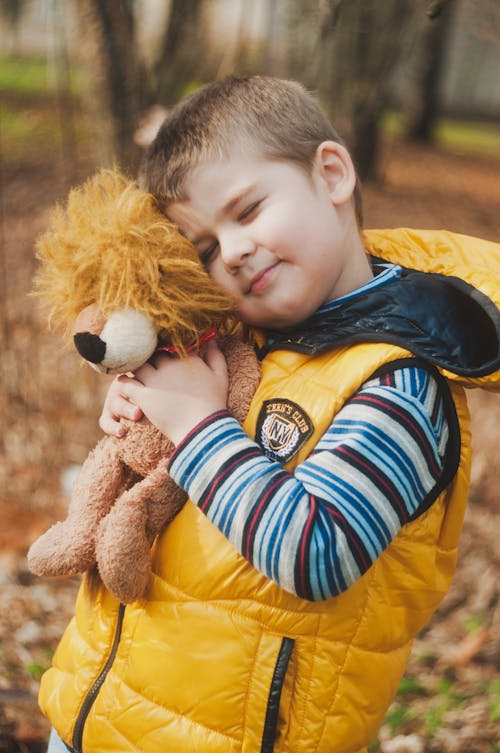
(447, 698)
(34, 76)
(35, 131)
(474, 623)
(28, 76)
(190, 88)
(446, 688)
(36, 670)
(410, 686)
(32, 125)
(474, 138)
(30, 133)
(397, 716)
(494, 701)
(482, 139)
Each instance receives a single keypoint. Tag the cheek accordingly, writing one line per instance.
(221, 277)
(284, 230)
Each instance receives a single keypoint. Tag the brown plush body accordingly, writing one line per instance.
(123, 496)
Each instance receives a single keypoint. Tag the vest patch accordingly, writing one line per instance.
(282, 428)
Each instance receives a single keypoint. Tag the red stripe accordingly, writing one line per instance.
(207, 498)
(256, 515)
(304, 541)
(371, 472)
(212, 418)
(363, 559)
(405, 419)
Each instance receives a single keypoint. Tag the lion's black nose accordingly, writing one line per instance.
(90, 346)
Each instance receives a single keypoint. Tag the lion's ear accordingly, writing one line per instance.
(91, 320)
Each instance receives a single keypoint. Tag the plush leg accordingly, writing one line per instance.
(125, 535)
(243, 371)
(68, 547)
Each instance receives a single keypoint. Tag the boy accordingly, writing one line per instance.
(287, 592)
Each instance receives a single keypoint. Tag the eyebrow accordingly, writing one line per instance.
(235, 200)
(227, 208)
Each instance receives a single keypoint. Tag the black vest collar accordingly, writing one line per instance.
(440, 318)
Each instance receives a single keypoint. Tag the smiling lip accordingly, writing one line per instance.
(262, 279)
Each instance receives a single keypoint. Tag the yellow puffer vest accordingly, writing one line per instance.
(199, 666)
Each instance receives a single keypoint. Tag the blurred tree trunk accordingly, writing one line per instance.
(114, 73)
(359, 45)
(301, 37)
(423, 108)
(234, 57)
(182, 52)
(121, 86)
(11, 12)
(270, 62)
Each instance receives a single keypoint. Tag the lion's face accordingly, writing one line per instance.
(117, 344)
(120, 277)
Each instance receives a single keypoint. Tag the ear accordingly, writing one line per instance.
(335, 168)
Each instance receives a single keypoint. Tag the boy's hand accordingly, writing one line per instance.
(177, 393)
(117, 406)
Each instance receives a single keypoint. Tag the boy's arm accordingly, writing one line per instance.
(317, 531)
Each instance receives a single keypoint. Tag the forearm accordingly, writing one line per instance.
(316, 531)
(243, 493)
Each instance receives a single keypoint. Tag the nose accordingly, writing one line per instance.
(235, 249)
(90, 346)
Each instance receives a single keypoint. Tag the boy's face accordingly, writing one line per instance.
(279, 241)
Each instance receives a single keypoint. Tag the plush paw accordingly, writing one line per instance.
(58, 552)
(123, 555)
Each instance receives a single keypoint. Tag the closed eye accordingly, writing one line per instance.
(207, 255)
(249, 211)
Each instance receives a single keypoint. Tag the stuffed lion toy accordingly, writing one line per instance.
(125, 282)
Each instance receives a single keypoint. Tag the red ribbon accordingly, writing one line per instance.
(209, 335)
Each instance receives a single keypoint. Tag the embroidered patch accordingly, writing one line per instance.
(282, 428)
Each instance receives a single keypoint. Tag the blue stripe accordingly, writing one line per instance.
(390, 272)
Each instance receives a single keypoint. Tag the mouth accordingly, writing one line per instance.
(262, 279)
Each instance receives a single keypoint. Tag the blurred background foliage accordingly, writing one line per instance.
(118, 62)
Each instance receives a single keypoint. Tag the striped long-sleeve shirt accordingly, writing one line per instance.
(316, 531)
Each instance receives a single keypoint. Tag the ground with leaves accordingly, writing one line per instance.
(449, 701)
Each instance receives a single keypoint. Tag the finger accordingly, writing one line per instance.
(215, 359)
(123, 408)
(110, 419)
(111, 425)
(122, 405)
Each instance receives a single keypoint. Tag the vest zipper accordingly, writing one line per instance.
(273, 700)
(96, 686)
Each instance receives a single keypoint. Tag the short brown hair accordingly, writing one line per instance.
(277, 116)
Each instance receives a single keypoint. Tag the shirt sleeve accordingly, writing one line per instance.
(316, 531)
